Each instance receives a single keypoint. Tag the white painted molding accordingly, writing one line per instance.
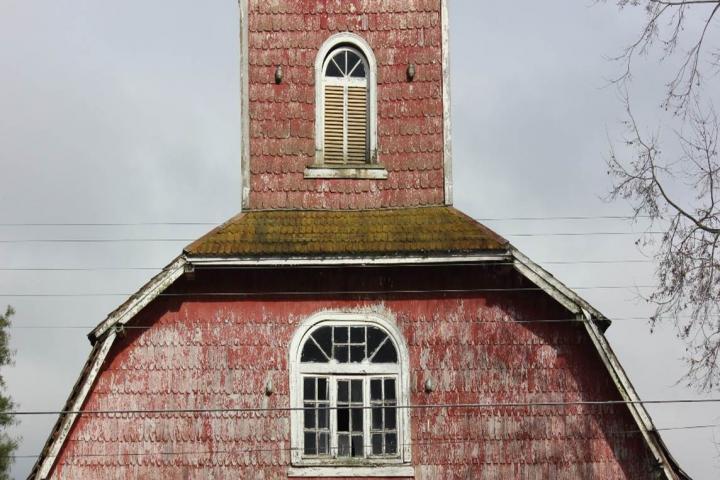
(356, 41)
(360, 261)
(447, 119)
(296, 369)
(396, 471)
(373, 173)
(244, 105)
(74, 404)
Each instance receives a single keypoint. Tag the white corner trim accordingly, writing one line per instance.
(143, 297)
(244, 105)
(361, 44)
(74, 405)
(295, 370)
(447, 119)
(628, 393)
(399, 471)
(578, 306)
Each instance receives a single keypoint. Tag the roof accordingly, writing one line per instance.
(379, 232)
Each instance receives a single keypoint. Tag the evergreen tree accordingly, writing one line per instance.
(8, 444)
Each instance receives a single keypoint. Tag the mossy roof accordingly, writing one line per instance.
(318, 233)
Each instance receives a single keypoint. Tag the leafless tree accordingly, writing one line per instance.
(657, 184)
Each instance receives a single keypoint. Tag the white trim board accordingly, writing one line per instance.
(398, 471)
(447, 118)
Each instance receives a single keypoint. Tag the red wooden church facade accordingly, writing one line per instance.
(350, 323)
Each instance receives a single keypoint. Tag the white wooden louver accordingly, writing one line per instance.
(345, 110)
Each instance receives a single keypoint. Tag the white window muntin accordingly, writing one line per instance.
(367, 371)
(346, 40)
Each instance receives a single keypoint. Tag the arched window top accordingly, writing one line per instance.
(344, 344)
(346, 63)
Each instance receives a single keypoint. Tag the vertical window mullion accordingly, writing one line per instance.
(367, 447)
(333, 416)
(345, 121)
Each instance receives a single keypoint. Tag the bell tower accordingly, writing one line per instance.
(345, 104)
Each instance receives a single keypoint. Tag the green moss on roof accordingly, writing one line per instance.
(380, 232)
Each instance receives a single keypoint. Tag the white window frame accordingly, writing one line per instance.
(349, 466)
(372, 169)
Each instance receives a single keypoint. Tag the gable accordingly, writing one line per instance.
(214, 339)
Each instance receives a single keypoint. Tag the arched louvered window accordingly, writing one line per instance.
(346, 110)
(349, 383)
(345, 107)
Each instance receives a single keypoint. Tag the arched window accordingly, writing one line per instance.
(349, 378)
(346, 131)
(345, 107)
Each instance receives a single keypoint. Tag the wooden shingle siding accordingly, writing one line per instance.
(282, 116)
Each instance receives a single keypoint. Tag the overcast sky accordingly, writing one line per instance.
(128, 112)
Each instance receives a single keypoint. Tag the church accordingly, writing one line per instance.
(350, 323)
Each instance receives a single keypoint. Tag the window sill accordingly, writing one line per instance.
(403, 471)
(373, 172)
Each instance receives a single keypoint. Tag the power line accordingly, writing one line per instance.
(506, 322)
(315, 293)
(206, 223)
(177, 240)
(429, 406)
(245, 267)
(611, 433)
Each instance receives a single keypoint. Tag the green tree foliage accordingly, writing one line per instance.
(8, 444)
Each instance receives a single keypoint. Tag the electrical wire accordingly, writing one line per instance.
(448, 441)
(246, 267)
(429, 406)
(324, 292)
(141, 224)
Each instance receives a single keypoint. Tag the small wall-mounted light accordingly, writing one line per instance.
(278, 74)
(269, 387)
(189, 270)
(429, 385)
(411, 72)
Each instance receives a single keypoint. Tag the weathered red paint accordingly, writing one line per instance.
(219, 352)
(282, 116)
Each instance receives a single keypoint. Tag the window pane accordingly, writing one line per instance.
(357, 446)
(343, 395)
(357, 391)
(323, 444)
(311, 353)
(390, 420)
(391, 443)
(343, 445)
(359, 71)
(341, 334)
(322, 416)
(309, 415)
(322, 389)
(357, 354)
(323, 336)
(386, 354)
(389, 389)
(377, 418)
(376, 389)
(343, 419)
(357, 334)
(309, 388)
(310, 447)
(375, 336)
(357, 419)
(341, 353)
(333, 70)
(377, 444)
